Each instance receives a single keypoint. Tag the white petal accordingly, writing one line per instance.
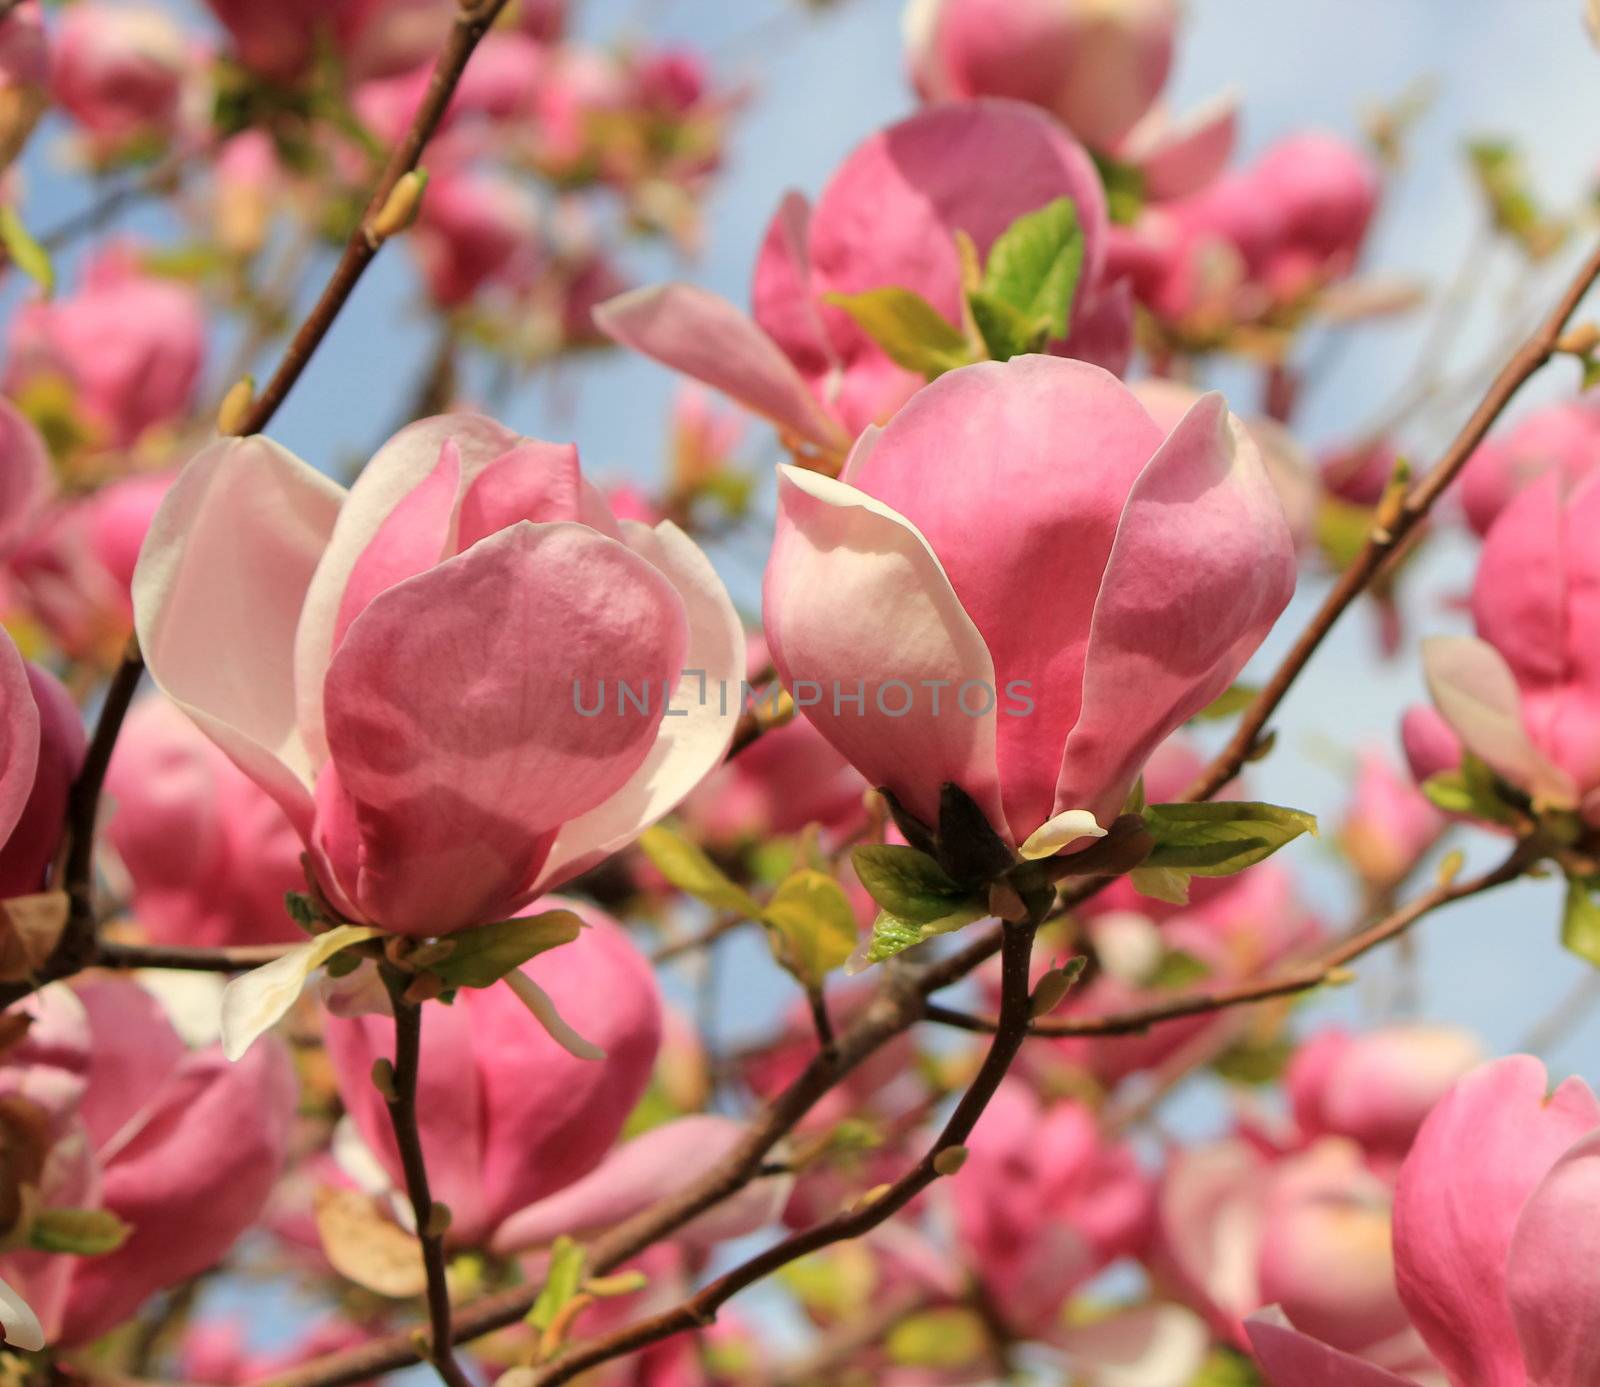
(1146, 1346)
(22, 1327)
(1054, 834)
(256, 1002)
(537, 1000)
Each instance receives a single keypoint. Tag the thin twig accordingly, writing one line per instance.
(401, 1100)
(238, 958)
(1290, 981)
(1386, 538)
(472, 22)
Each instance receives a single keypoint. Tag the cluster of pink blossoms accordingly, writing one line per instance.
(369, 852)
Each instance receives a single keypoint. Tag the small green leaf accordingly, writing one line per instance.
(1221, 838)
(1255, 1061)
(302, 910)
(84, 1232)
(481, 956)
(911, 331)
(1125, 189)
(892, 935)
(1471, 790)
(1580, 921)
(813, 925)
(1006, 331)
(948, 1338)
(1177, 969)
(1035, 264)
(1237, 698)
(689, 869)
(907, 883)
(25, 252)
(561, 1282)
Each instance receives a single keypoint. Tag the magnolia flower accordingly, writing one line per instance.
(1563, 438)
(1098, 66)
(427, 673)
(41, 747)
(507, 1117)
(1029, 588)
(888, 217)
(1524, 694)
(120, 72)
(1496, 1247)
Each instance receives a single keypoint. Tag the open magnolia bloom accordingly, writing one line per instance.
(464, 681)
(1022, 588)
(890, 217)
(1496, 1254)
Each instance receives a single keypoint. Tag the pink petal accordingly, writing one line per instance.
(1430, 743)
(534, 481)
(1065, 439)
(1553, 1277)
(193, 1178)
(781, 297)
(1211, 1212)
(703, 712)
(509, 1117)
(456, 736)
(638, 1174)
(26, 477)
(217, 597)
(135, 1054)
(1202, 520)
(1475, 691)
(1477, 1160)
(19, 736)
(854, 600)
(1292, 1359)
(26, 854)
(395, 472)
(1179, 157)
(708, 339)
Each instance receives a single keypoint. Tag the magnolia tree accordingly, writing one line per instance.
(364, 828)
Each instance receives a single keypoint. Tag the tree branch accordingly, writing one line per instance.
(1390, 534)
(401, 1100)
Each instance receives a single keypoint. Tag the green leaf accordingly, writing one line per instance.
(911, 331)
(907, 883)
(948, 1338)
(84, 1232)
(1006, 331)
(1255, 1061)
(813, 925)
(1230, 704)
(25, 252)
(1178, 968)
(892, 935)
(481, 956)
(1125, 189)
(1222, 838)
(689, 869)
(1471, 791)
(1035, 264)
(1580, 921)
(302, 910)
(561, 1282)
(1226, 1367)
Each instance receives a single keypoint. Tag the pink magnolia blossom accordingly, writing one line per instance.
(247, 185)
(1239, 1229)
(1255, 239)
(1563, 438)
(1389, 824)
(120, 73)
(179, 1144)
(1070, 635)
(470, 600)
(41, 747)
(24, 77)
(1377, 1087)
(474, 229)
(1524, 694)
(1097, 67)
(1430, 743)
(1496, 1247)
(1043, 1203)
(129, 344)
(1360, 474)
(887, 217)
(26, 478)
(507, 1116)
(208, 853)
(276, 41)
